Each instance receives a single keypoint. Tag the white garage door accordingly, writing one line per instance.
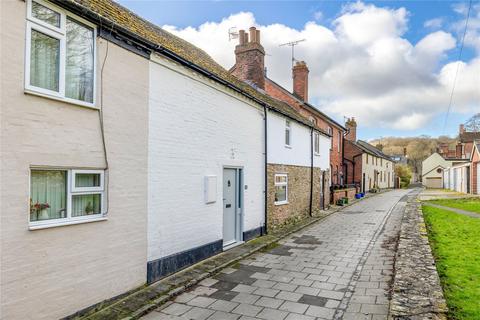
(434, 182)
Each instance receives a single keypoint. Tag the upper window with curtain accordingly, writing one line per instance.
(60, 54)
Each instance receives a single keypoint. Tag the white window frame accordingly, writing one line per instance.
(87, 189)
(60, 34)
(288, 127)
(69, 220)
(280, 184)
(316, 143)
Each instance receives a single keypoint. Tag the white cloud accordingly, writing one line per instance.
(361, 65)
(472, 36)
(318, 15)
(435, 23)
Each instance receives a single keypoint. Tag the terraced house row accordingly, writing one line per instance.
(128, 154)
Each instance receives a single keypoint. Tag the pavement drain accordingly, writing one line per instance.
(370, 223)
(351, 212)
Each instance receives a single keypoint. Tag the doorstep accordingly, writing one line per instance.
(141, 301)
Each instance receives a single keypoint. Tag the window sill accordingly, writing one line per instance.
(281, 203)
(317, 154)
(33, 227)
(66, 100)
(288, 146)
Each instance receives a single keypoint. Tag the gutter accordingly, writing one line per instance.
(311, 172)
(265, 230)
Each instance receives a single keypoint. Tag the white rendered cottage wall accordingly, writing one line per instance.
(195, 129)
(298, 153)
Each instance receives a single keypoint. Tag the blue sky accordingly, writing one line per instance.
(180, 15)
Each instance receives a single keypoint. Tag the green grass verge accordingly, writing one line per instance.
(455, 241)
(468, 204)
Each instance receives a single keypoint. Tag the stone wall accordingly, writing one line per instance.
(298, 206)
(416, 292)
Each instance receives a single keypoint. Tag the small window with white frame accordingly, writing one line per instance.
(281, 189)
(60, 54)
(316, 143)
(288, 134)
(63, 196)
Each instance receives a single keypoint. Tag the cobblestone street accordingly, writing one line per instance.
(338, 268)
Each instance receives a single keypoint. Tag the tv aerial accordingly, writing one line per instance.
(232, 33)
(292, 44)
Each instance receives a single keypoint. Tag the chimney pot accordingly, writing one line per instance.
(241, 37)
(257, 36)
(253, 34)
(300, 80)
(351, 126)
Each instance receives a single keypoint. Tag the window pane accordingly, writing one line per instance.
(86, 204)
(79, 64)
(45, 14)
(280, 179)
(287, 137)
(83, 180)
(280, 193)
(48, 195)
(44, 61)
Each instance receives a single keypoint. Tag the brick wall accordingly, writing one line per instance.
(298, 195)
(354, 173)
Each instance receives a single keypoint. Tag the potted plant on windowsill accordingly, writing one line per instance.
(41, 210)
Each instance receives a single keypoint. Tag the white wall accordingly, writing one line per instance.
(376, 164)
(196, 128)
(298, 153)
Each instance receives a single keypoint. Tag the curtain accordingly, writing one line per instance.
(44, 61)
(87, 180)
(86, 204)
(79, 62)
(49, 187)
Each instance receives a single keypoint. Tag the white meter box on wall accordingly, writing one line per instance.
(210, 189)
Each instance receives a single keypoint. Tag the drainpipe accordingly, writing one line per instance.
(265, 168)
(311, 171)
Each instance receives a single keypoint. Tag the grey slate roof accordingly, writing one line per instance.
(368, 148)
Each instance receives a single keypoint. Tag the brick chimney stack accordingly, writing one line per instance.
(462, 129)
(351, 126)
(300, 80)
(250, 58)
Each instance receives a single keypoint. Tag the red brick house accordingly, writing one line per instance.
(250, 67)
(475, 168)
(463, 148)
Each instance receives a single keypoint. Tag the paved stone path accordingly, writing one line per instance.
(339, 268)
(459, 211)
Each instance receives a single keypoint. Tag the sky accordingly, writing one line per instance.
(389, 64)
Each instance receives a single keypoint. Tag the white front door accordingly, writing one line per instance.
(231, 206)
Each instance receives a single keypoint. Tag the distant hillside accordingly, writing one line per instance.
(417, 148)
